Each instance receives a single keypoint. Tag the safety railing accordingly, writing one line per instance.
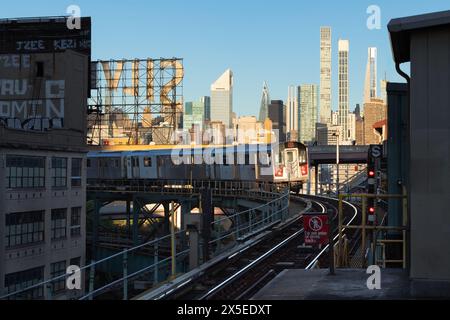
(249, 222)
(376, 233)
(157, 268)
(220, 187)
(153, 269)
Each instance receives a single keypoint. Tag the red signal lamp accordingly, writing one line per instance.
(371, 210)
(371, 173)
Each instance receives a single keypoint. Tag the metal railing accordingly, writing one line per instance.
(158, 268)
(219, 187)
(374, 234)
(249, 222)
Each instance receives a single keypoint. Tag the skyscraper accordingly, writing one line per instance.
(325, 75)
(265, 101)
(276, 115)
(292, 114)
(343, 48)
(307, 112)
(370, 85)
(196, 113)
(222, 99)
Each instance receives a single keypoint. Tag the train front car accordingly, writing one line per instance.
(291, 167)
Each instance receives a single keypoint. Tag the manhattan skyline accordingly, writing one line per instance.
(277, 42)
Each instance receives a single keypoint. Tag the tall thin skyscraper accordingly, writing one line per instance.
(265, 101)
(292, 114)
(325, 75)
(383, 93)
(308, 112)
(343, 49)
(222, 99)
(370, 85)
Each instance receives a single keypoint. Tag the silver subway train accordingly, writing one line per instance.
(282, 163)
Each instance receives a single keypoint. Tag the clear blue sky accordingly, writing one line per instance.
(277, 41)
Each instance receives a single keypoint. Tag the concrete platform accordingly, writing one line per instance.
(347, 284)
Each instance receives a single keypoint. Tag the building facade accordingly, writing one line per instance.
(276, 115)
(351, 127)
(325, 75)
(248, 129)
(196, 113)
(343, 47)
(307, 94)
(370, 84)
(222, 99)
(292, 117)
(42, 158)
(374, 111)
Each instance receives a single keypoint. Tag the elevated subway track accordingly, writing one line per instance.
(240, 274)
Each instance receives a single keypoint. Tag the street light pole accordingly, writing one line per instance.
(337, 165)
(337, 134)
(330, 215)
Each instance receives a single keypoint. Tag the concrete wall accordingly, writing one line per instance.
(430, 154)
(69, 67)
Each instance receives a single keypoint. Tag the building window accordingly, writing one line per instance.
(25, 172)
(76, 262)
(39, 69)
(76, 172)
(20, 280)
(147, 162)
(59, 223)
(75, 222)
(59, 172)
(58, 269)
(24, 228)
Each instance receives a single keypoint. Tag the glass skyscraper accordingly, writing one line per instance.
(265, 101)
(196, 113)
(222, 99)
(307, 94)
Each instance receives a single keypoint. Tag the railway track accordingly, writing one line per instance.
(242, 274)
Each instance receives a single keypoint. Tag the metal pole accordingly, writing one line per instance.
(125, 275)
(330, 242)
(337, 165)
(155, 262)
(91, 279)
(340, 222)
(363, 237)
(172, 236)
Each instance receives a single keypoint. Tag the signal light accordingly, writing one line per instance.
(371, 173)
(371, 210)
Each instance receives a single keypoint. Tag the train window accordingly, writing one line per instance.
(147, 162)
(290, 156)
(88, 163)
(135, 161)
(116, 163)
(247, 158)
(302, 156)
(264, 159)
